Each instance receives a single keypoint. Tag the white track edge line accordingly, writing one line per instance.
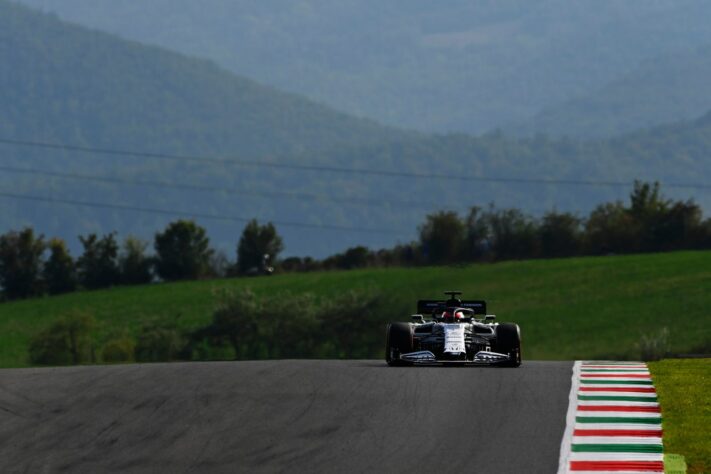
(565, 444)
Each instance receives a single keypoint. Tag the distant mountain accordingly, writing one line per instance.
(66, 84)
(92, 88)
(69, 85)
(435, 66)
(666, 89)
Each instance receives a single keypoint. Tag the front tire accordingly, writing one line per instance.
(398, 341)
(508, 341)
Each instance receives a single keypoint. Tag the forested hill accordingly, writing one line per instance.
(458, 65)
(662, 90)
(66, 84)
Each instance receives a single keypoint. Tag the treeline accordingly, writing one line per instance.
(29, 266)
(648, 223)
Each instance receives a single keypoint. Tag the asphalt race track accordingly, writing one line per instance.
(278, 416)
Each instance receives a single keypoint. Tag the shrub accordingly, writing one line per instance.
(66, 342)
(119, 349)
(349, 325)
(654, 346)
(159, 342)
(235, 321)
(353, 323)
(289, 327)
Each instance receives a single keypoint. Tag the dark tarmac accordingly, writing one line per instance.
(279, 416)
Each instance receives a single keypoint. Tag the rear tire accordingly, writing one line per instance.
(398, 341)
(508, 341)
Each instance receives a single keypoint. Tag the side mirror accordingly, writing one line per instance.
(489, 318)
(418, 318)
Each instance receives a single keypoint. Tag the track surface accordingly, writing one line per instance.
(274, 416)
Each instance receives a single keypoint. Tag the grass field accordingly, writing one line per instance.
(683, 387)
(584, 308)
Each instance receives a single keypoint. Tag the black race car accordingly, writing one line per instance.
(453, 331)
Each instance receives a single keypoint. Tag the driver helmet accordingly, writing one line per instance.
(452, 315)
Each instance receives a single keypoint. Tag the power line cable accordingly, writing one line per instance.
(335, 169)
(206, 188)
(173, 212)
(269, 195)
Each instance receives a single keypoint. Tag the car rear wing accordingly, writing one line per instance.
(437, 306)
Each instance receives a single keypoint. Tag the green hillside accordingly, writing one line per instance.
(570, 308)
(436, 66)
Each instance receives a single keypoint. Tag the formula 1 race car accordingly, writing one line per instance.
(456, 332)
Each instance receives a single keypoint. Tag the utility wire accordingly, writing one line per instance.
(269, 195)
(173, 212)
(335, 169)
(206, 188)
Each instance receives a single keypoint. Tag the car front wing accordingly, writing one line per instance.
(480, 358)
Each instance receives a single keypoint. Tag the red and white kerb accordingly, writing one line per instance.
(614, 422)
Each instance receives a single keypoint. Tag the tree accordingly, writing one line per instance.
(611, 229)
(98, 265)
(648, 209)
(59, 273)
(560, 235)
(664, 224)
(354, 257)
(182, 251)
(682, 227)
(135, 266)
(477, 234)
(513, 234)
(219, 265)
(292, 264)
(702, 237)
(21, 263)
(442, 237)
(257, 242)
(646, 201)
